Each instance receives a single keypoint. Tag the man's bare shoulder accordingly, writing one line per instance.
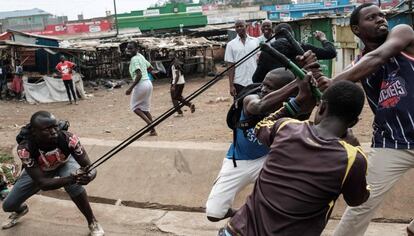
(402, 27)
(405, 35)
(250, 97)
(248, 100)
(401, 31)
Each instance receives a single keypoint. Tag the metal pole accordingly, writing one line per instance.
(116, 19)
(410, 8)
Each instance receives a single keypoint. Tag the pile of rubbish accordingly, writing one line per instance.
(105, 83)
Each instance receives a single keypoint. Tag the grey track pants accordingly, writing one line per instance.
(385, 168)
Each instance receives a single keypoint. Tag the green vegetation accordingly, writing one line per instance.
(7, 168)
(5, 158)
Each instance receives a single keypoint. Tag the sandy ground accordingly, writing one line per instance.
(106, 115)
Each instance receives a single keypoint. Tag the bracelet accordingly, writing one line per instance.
(289, 109)
(294, 105)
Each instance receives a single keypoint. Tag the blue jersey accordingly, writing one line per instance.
(247, 145)
(390, 94)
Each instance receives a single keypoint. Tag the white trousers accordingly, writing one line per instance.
(385, 167)
(229, 182)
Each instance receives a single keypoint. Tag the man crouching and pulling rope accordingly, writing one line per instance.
(52, 158)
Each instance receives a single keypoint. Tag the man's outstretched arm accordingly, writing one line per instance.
(399, 39)
(253, 105)
(49, 183)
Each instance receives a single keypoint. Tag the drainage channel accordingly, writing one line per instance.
(60, 194)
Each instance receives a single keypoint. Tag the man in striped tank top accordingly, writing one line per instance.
(386, 70)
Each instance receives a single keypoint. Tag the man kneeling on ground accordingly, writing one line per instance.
(308, 166)
(51, 158)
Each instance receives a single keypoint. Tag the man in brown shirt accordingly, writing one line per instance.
(308, 167)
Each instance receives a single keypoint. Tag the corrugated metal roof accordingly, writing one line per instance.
(12, 43)
(21, 13)
(32, 35)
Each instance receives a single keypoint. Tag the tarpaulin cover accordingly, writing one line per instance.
(51, 89)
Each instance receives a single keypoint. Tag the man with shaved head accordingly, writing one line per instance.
(51, 159)
(246, 150)
(236, 49)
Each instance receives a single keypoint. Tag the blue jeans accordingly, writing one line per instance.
(25, 187)
(3, 85)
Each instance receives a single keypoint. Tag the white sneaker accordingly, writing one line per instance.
(14, 217)
(96, 229)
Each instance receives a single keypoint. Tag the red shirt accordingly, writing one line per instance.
(66, 69)
(49, 160)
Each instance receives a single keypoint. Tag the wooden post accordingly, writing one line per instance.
(212, 59)
(205, 60)
(47, 63)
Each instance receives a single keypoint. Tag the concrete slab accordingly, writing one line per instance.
(185, 223)
(170, 173)
(188, 224)
(374, 229)
(182, 174)
(49, 216)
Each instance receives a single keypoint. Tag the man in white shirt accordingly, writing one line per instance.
(267, 32)
(236, 49)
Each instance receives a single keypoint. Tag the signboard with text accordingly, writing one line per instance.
(151, 12)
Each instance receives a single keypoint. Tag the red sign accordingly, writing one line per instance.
(77, 28)
(210, 7)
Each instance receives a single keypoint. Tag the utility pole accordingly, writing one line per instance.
(116, 19)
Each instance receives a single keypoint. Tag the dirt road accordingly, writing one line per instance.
(106, 115)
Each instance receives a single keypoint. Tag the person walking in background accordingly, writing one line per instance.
(65, 68)
(236, 49)
(141, 88)
(177, 86)
(17, 84)
(3, 79)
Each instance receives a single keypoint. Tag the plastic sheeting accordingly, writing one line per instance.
(51, 89)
